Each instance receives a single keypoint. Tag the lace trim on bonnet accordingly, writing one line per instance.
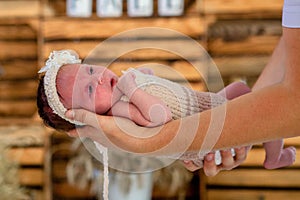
(55, 61)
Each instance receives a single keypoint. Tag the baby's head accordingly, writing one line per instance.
(70, 84)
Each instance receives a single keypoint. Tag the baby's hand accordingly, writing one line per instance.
(127, 84)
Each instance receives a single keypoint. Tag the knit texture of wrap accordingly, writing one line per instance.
(181, 100)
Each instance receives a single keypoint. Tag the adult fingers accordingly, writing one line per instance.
(83, 116)
(210, 168)
(241, 154)
(228, 161)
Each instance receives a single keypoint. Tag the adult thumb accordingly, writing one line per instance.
(84, 116)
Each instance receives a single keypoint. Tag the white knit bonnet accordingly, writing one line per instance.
(56, 60)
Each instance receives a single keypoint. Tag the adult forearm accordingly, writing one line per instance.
(274, 70)
(253, 118)
(271, 111)
(261, 116)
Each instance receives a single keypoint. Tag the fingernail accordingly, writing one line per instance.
(209, 157)
(239, 148)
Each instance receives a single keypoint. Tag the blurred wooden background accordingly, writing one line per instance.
(239, 35)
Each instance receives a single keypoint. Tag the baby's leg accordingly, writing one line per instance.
(234, 90)
(277, 156)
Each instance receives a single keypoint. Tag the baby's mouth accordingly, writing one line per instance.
(113, 82)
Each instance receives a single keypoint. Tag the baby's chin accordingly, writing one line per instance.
(99, 111)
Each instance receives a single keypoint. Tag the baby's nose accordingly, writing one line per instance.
(100, 80)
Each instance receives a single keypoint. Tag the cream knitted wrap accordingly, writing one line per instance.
(182, 102)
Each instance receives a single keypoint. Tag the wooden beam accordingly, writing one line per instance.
(255, 194)
(17, 49)
(27, 156)
(295, 141)
(287, 178)
(241, 6)
(251, 45)
(240, 65)
(18, 69)
(31, 177)
(21, 8)
(66, 190)
(13, 32)
(144, 49)
(17, 120)
(24, 108)
(238, 30)
(58, 28)
(18, 90)
(256, 157)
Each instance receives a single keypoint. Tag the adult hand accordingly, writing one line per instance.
(115, 132)
(97, 125)
(228, 161)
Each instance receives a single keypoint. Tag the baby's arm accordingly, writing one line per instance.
(234, 90)
(152, 108)
(129, 111)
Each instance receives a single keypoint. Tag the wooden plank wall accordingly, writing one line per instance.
(18, 60)
(238, 34)
(27, 139)
(86, 35)
(241, 37)
(61, 32)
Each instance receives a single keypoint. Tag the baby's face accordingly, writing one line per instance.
(86, 86)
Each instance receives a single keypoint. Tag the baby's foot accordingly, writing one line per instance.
(286, 158)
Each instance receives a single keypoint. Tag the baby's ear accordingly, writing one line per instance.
(146, 70)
